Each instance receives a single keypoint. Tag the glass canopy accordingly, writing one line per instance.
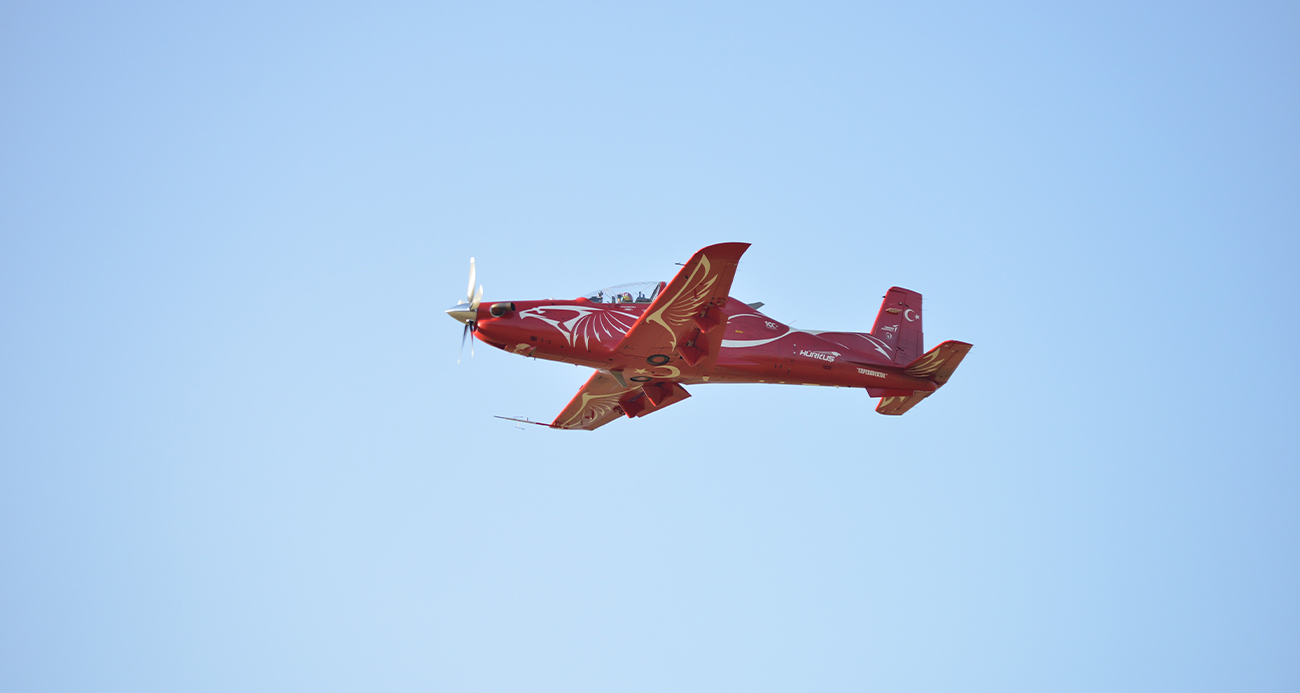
(636, 292)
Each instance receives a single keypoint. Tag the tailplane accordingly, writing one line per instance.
(937, 365)
(897, 406)
(939, 362)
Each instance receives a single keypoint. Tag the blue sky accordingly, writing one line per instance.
(238, 452)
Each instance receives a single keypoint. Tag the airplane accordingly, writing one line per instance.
(648, 340)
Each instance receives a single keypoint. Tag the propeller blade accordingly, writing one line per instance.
(465, 312)
(469, 293)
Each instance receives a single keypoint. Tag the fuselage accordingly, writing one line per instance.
(754, 348)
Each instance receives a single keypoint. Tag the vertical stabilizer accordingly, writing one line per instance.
(899, 324)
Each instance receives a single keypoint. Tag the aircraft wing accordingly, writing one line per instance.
(684, 318)
(603, 399)
(595, 405)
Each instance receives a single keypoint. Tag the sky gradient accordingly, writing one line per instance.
(237, 451)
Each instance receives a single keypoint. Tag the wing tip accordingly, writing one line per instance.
(525, 420)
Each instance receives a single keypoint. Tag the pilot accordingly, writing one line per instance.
(625, 298)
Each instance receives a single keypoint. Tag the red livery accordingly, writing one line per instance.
(648, 341)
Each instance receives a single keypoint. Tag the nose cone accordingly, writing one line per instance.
(461, 312)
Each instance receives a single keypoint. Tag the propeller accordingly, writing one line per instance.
(467, 310)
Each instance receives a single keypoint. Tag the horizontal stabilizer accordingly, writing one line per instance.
(935, 365)
(887, 392)
(894, 406)
(938, 363)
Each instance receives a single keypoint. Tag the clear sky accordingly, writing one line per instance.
(237, 451)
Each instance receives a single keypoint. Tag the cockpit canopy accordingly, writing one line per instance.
(636, 292)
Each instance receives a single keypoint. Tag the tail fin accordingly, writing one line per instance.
(937, 365)
(898, 324)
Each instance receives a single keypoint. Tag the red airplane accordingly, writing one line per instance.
(648, 340)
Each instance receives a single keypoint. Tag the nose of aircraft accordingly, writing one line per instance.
(461, 312)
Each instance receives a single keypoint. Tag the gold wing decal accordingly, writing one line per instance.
(688, 300)
(927, 364)
(595, 405)
(602, 399)
(704, 281)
